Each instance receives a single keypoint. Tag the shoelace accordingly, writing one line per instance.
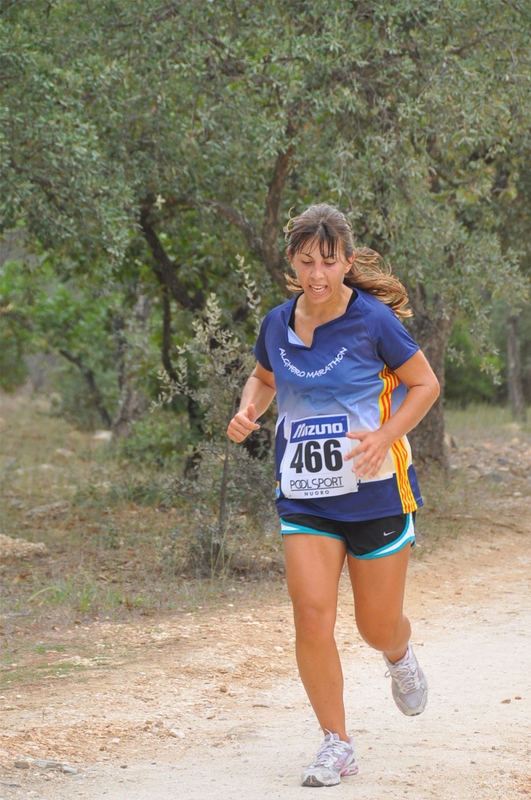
(406, 676)
(329, 753)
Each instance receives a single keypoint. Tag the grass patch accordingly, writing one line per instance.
(118, 541)
(37, 672)
(484, 421)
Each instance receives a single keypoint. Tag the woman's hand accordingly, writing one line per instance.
(370, 452)
(423, 389)
(243, 423)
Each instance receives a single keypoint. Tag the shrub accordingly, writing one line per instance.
(227, 483)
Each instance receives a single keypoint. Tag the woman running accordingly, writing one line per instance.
(350, 384)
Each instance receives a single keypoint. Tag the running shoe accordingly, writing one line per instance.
(409, 684)
(335, 759)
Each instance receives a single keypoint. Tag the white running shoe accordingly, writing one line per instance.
(409, 684)
(335, 759)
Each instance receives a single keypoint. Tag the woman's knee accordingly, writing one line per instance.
(383, 635)
(313, 622)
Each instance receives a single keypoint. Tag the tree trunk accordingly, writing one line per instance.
(95, 395)
(514, 369)
(432, 332)
(133, 401)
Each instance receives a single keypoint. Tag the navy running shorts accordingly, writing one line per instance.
(365, 539)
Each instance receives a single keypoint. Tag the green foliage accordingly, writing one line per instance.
(229, 488)
(71, 319)
(208, 543)
(152, 142)
(470, 378)
(13, 369)
(69, 397)
(158, 440)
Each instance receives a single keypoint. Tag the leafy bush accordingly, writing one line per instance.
(159, 439)
(470, 378)
(71, 398)
(227, 485)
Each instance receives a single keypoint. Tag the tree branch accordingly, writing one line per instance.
(265, 247)
(166, 269)
(95, 394)
(254, 242)
(166, 336)
(272, 254)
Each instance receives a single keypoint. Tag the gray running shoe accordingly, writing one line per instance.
(409, 685)
(335, 760)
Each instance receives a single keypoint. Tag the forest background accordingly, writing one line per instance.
(150, 154)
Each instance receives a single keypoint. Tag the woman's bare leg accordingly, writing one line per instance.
(378, 586)
(313, 569)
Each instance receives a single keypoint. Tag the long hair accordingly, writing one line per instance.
(329, 228)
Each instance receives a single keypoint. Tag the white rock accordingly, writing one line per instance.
(102, 436)
(61, 451)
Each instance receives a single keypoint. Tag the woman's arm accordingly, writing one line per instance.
(256, 398)
(423, 391)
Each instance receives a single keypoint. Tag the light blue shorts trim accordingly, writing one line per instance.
(407, 537)
(292, 527)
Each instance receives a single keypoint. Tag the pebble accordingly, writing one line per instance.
(243, 732)
(497, 477)
(63, 452)
(44, 763)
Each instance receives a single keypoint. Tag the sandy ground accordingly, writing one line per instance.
(209, 705)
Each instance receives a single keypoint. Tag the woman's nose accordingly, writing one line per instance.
(317, 269)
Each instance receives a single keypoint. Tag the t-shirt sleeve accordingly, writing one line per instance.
(260, 348)
(393, 342)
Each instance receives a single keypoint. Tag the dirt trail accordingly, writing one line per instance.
(209, 706)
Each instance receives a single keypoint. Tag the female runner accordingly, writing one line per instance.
(350, 384)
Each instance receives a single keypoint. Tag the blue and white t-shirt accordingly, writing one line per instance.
(343, 382)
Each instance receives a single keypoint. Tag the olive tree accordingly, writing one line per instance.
(176, 134)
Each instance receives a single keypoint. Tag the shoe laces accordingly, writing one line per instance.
(406, 676)
(330, 752)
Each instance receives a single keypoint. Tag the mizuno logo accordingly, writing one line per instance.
(318, 428)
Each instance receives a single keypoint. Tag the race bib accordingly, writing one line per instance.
(314, 461)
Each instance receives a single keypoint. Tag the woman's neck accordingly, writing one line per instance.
(320, 313)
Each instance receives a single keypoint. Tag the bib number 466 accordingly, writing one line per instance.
(309, 456)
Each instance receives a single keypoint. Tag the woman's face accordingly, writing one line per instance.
(321, 279)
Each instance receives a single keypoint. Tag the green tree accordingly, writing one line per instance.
(512, 192)
(177, 134)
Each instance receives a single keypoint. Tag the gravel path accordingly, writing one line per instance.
(210, 706)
